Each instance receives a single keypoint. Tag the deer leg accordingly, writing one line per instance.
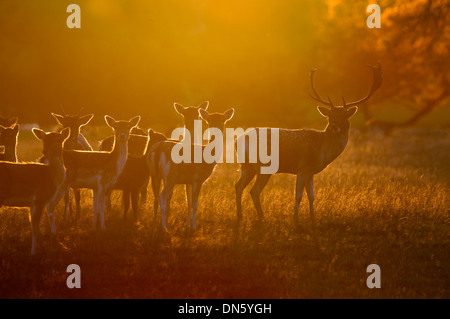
(67, 206)
(126, 201)
(195, 194)
(61, 192)
(156, 186)
(300, 184)
(108, 203)
(36, 213)
(247, 175)
(134, 194)
(51, 216)
(309, 188)
(164, 198)
(95, 208)
(143, 192)
(189, 203)
(77, 195)
(261, 182)
(103, 195)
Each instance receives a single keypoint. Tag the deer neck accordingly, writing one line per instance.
(195, 132)
(57, 169)
(72, 141)
(218, 150)
(120, 153)
(334, 142)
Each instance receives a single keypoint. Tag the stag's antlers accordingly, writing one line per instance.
(377, 79)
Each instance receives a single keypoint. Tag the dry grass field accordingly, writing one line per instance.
(385, 200)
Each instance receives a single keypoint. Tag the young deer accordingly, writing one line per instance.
(99, 170)
(34, 185)
(8, 139)
(76, 141)
(136, 147)
(192, 174)
(305, 152)
(189, 114)
(135, 175)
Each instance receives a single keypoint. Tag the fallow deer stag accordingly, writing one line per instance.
(76, 141)
(305, 152)
(99, 170)
(8, 139)
(190, 174)
(34, 185)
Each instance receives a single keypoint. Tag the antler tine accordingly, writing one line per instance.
(331, 103)
(316, 96)
(377, 79)
(343, 102)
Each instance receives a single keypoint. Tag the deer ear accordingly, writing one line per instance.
(110, 121)
(135, 121)
(85, 119)
(40, 134)
(16, 128)
(65, 133)
(204, 105)
(179, 108)
(229, 114)
(324, 111)
(150, 133)
(203, 114)
(351, 111)
(58, 118)
(14, 120)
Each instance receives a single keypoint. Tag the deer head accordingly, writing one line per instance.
(155, 137)
(53, 141)
(216, 120)
(74, 122)
(338, 116)
(190, 113)
(122, 128)
(8, 135)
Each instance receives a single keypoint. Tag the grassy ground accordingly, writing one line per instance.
(385, 200)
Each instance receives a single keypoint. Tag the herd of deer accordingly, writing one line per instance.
(130, 158)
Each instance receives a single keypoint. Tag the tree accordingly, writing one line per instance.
(416, 43)
(413, 46)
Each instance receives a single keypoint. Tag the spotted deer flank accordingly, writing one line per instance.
(305, 152)
(34, 185)
(193, 174)
(99, 170)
